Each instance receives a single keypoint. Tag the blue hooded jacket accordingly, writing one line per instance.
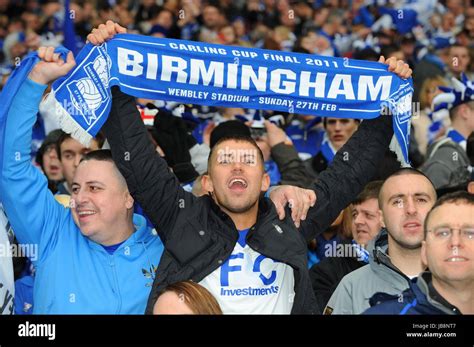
(421, 298)
(73, 273)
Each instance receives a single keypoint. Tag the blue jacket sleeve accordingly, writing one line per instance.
(30, 206)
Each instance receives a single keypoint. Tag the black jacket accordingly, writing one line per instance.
(199, 237)
(326, 275)
(292, 168)
(316, 164)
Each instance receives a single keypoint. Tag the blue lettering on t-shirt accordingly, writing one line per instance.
(226, 268)
(256, 268)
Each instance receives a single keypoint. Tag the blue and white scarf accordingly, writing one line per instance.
(327, 149)
(455, 136)
(361, 252)
(228, 76)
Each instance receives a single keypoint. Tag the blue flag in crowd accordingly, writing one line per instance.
(68, 29)
(228, 76)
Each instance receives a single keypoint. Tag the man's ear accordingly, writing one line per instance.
(470, 187)
(206, 183)
(129, 201)
(382, 218)
(265, 182)
(382, 223)
(424, 259)
(466, 111)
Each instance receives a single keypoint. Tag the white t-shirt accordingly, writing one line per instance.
(7, 284)
(248, 282)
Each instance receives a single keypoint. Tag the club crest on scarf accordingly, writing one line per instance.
(90, 91)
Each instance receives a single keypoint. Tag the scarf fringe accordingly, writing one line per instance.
(396, 148)
(54, 109)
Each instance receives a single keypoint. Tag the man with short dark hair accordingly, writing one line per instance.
(213, 19)
(448, 252)
(458, 60)
(70, 152)
(338, 132)
(366, 215)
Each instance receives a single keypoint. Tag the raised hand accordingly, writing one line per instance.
(51, 67)
(399, 67)
(105, 32)
(299, 200)
(275, 135)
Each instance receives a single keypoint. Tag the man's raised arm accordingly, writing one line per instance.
(32, 210)
(148, 177)
(353, 167)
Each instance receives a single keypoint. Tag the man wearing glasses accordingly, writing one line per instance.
(448, 251)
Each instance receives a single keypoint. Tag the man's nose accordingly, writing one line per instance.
(410, 207)
(52, 154)
(359, 219)
(77, 160)
(237, 165)
(81, 196)
(455, 239)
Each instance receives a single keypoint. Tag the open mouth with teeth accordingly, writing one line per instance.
(456, 259)
(85, 214)
(237, 184)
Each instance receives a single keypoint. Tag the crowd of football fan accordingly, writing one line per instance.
(404, 244)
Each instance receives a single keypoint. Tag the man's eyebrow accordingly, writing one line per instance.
(396, 196)
(96, 182)
(447, 225)
(404, 195)
(423, 194)
(368, 211)
(89, 182)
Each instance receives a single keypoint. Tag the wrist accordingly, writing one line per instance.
(276, 143)
(38, 78)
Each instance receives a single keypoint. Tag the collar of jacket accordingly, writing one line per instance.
(267, 220)
(424, 282)
(264, 209)
(380, 261)
(142, 234)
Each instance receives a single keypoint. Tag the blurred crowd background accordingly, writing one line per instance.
(435, 37)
